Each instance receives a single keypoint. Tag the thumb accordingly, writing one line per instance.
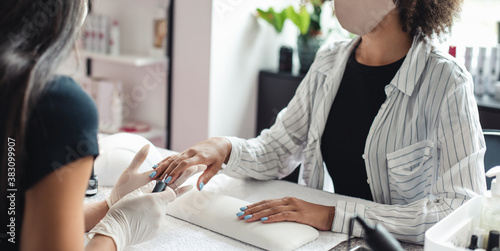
(182, 190)
(146, 189)
(139, 158)
(207, 175)
(164, 197)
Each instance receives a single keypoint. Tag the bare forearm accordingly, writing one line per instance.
(94, 212)
(101, 242)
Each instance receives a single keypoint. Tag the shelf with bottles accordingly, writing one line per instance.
(136, 37)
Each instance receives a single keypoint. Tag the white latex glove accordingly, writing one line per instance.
(130, 179)
(186, 175)
(139, 216)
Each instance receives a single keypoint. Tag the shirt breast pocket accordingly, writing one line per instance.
(410, 172)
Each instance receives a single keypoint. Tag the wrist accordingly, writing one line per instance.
(105, 205)
(101, 242)
(331, 216)
(226, 147)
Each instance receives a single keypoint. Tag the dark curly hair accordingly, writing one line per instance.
(429, 18)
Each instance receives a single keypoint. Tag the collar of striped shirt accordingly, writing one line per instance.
(407, 76)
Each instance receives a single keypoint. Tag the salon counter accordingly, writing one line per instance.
(181, 235)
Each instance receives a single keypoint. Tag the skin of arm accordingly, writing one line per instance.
(94, 212)
(53, 216)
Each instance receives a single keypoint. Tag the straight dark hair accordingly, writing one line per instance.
(35, 37)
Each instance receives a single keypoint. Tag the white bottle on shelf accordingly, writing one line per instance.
(95, 33)
(103, 33)
(490, 210)
(89, 29)
(160, 29)
(480, 78)
(114, 39)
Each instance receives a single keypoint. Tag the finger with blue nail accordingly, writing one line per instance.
(290, 209)
(212, 153)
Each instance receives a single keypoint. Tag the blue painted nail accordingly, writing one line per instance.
(152, 174)
(201, 185)
(155, 166)
(169, 178)
(264, 218)
(243, 208)
(248, 217)
(240, 214)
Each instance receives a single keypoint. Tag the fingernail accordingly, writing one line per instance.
(243, 208)
(155, 166)
(169, 178)
(264, 218)
(201, 185)
(248, 217)
(152, 174)
(240, 214)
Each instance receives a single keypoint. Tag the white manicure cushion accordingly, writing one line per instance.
(217, 212)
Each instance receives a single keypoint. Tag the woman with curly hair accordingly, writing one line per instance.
(385, 116)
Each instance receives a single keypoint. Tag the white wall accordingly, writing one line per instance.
(241, 46)
(190, 72)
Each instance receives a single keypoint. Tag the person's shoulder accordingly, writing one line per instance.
(448, 64)
(64, 100)
(64, 88)
(64, 93)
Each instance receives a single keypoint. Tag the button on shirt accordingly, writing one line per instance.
(423, 154)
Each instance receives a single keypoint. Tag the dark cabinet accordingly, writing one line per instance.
(489, 112)
(276, 89)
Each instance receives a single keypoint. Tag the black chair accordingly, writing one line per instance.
(492, 155)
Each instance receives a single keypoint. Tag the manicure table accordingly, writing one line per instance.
(182, 235)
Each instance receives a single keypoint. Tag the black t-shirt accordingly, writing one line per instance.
(61, 129)
(360, 95)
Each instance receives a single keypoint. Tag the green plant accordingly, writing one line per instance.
(308, 23)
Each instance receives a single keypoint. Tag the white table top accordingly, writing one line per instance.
(181, 235)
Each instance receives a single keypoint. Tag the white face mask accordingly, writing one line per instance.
(362, 16)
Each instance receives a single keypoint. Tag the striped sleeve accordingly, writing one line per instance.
(460, 175)
(276, 151)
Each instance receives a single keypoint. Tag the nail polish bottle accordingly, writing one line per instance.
(160, 186)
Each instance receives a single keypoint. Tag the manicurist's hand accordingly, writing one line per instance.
(137, 217)
(131, 179)
(212, 153)
(289, 209)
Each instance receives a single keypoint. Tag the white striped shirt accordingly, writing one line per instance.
(423, 154)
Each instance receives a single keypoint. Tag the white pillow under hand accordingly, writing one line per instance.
(217, 212)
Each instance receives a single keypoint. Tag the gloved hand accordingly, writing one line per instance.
(130, 179)
(139, 216)
(186, 174)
